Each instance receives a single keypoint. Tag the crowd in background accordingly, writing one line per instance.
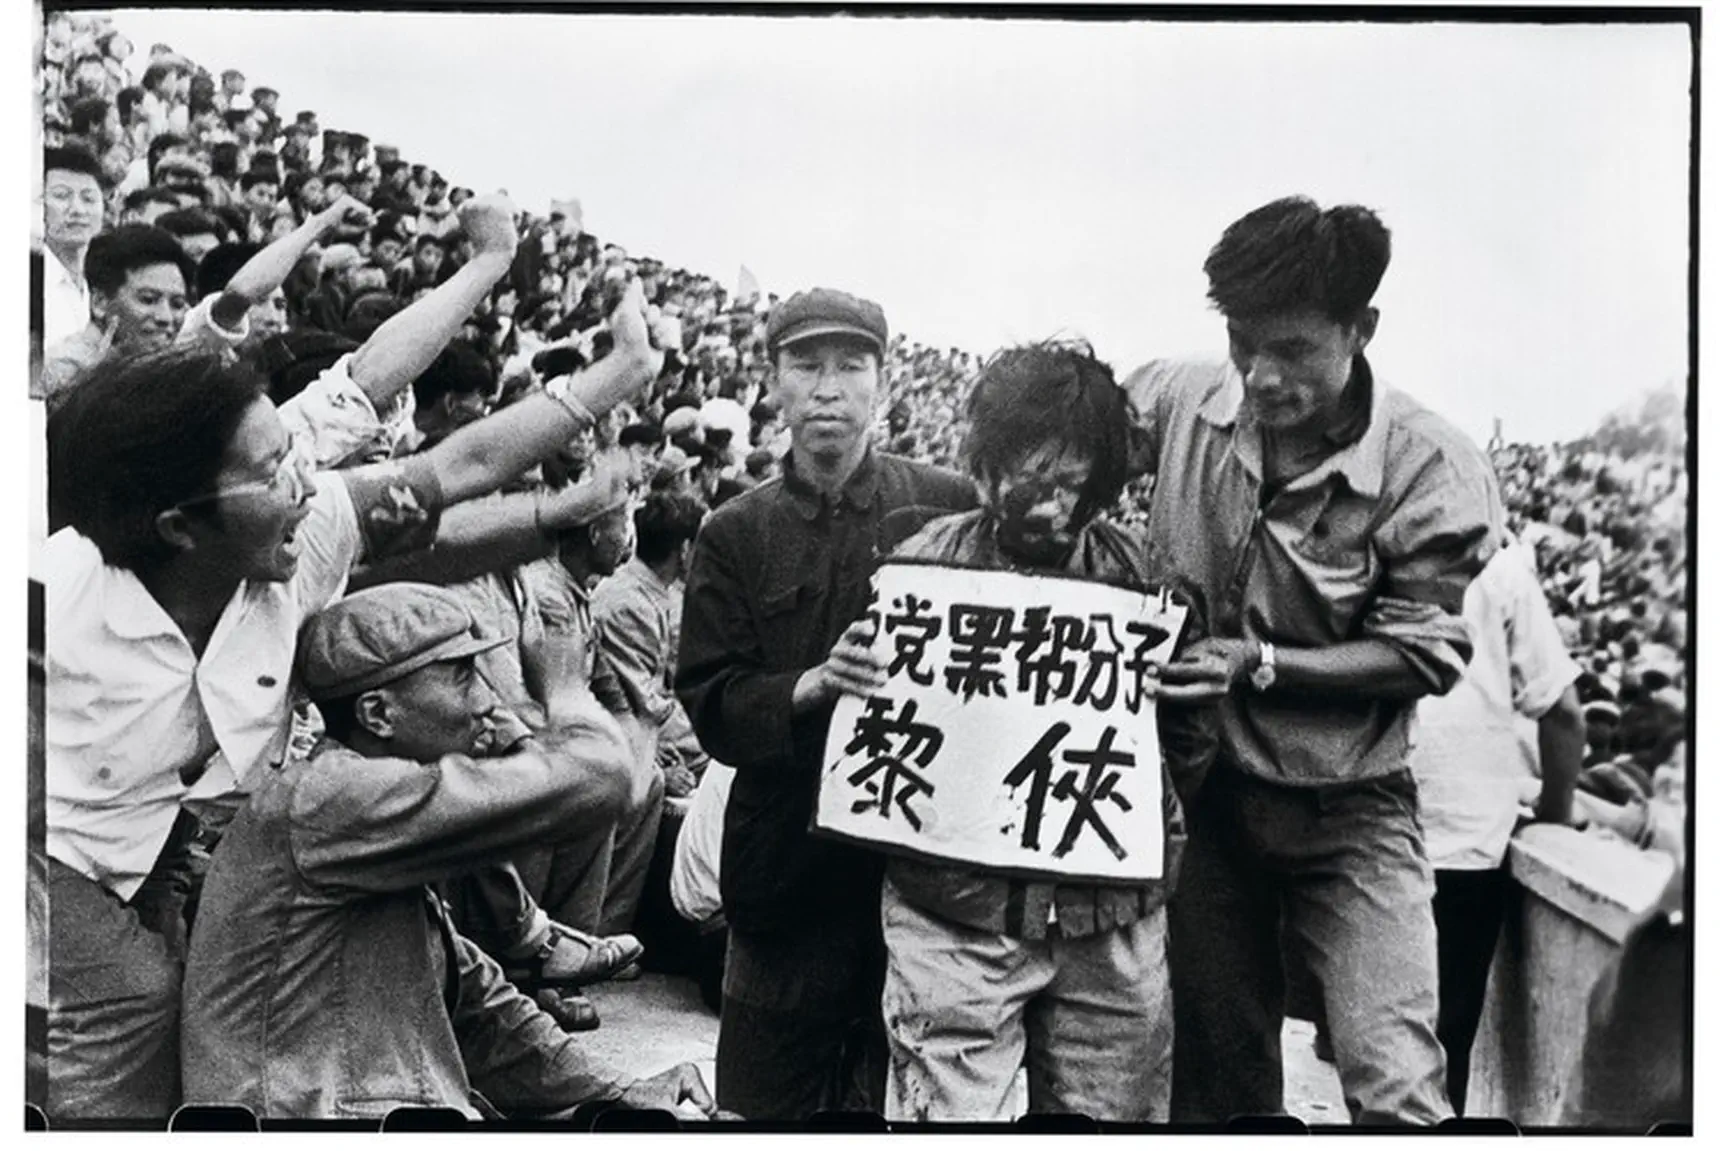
(1605, 521)
(213, 162)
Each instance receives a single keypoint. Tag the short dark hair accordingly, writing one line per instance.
(367, 312)
(141, 433)
(558, 360)
(160, 146)
(184, 222)
(385, 230)
(225, 159)
(664, 521)
(153, 75)
(294, 181)
(1034, 394)
(219, 265)
(72, 158)
(294, 359)
(127, 100)
(457, 371)
(115, 254)
(646, 434)
(87, 115)
(1292, 254)
(256, 176)
(139, 197)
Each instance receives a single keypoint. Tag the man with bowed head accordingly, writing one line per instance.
(325, 978)
(988, 972)
(777, 576)
(197, 542)
(1325, 527)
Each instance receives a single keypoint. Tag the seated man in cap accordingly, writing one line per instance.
(588, 879)
(324, 978)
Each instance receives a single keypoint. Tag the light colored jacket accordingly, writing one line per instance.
(324, 979)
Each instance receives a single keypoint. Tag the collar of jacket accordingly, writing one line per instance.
(1360, 461)
(859, 490)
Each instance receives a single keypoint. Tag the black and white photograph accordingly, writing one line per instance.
(791, 568)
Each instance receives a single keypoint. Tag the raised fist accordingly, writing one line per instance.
(490, 223)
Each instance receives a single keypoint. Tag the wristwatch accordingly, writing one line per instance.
(1265, 674)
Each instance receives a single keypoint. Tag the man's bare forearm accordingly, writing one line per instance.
(1560, 744)
(407, 343)
(1361, 668)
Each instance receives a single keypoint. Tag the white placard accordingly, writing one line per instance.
(1011, 733)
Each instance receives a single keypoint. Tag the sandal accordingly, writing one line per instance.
(570, 958)
(573, 1013)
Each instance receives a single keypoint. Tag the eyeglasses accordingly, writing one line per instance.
(292, 478)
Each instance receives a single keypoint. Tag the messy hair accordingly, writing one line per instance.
(141, 433)
(1051, 392)
(1292, 254)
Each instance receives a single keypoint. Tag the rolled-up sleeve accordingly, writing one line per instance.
(200, 330)
(334, 415)
(740, 709)
(514, 1053)
(1542, 668)
(1442, 531)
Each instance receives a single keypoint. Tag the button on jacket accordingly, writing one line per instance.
(1380, 540)
(134, 713)
(324, 979)
(777, 574)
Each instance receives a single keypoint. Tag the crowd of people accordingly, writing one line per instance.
(445, 605)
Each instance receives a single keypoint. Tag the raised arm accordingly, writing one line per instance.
(487, 454)
(393, 824)
(266, 271)
(488, 535)
(407, 342)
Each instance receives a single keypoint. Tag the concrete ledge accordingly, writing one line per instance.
(1604, 882)
(1578, 896)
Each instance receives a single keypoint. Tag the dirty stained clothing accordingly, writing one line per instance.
(987, 972)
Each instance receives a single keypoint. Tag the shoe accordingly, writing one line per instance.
(571, 958)
(629, 973)
(572, 1012)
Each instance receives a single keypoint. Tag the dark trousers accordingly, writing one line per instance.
(113, 1018)
(1343, 871)
(1469, 907)
(492, 907)
(801, 1024)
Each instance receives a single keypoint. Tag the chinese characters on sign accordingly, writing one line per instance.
(1012, 732)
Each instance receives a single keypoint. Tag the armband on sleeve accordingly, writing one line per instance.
(398, 504)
